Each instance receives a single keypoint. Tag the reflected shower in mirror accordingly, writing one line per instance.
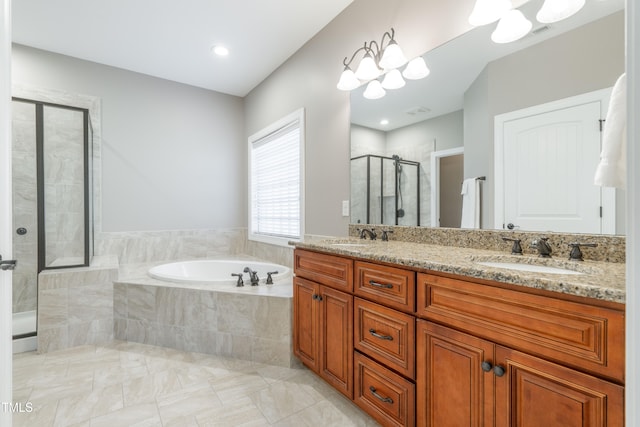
(472, 81)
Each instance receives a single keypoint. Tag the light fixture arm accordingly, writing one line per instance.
(366, 48)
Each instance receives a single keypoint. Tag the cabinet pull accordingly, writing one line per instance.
(384, 399)
(382, 337)
(317, 297)
(380, 285)
(486, 366)
(499, 371)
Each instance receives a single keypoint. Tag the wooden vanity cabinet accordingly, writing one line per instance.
(515, 359)
(465, 380)
(323, 318)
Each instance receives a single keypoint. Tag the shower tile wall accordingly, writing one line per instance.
(25, 276)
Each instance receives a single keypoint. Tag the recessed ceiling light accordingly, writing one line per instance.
(384, 122)
(220, 50)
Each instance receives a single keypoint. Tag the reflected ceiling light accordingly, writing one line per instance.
(393, 80)
(416, 69)
(488, 11)
(511, 27)
(557, 10)
(220, 50)
(378, 58)
(374, 90)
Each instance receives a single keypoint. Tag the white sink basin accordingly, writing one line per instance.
(533, 268)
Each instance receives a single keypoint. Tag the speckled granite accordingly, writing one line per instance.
(609, 249)
(599, 280)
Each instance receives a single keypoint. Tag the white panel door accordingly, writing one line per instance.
(550, 161)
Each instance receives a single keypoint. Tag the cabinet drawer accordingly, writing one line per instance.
(383, 394)
(386, 335)
(329, 270)
(390, 286)
(574, 334)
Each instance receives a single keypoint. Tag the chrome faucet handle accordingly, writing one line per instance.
(239, 276)
(385, 235)
(269, 278)
(576, 254)
(516, 249)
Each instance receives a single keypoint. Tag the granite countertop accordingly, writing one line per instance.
(599, 280)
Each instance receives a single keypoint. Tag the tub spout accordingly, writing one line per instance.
(253, 276)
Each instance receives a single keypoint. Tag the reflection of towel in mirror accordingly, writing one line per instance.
(612, 169)
(470, 203)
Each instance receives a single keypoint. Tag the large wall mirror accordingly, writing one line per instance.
(411, 149)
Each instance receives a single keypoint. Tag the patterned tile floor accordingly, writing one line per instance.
(129, 384)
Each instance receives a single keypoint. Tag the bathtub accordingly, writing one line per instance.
(195, 306)
(219, 272)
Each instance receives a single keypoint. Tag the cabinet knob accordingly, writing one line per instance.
(317, 297)
(499, 371)
(486, 366)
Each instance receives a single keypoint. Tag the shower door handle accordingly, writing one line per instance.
(9, 264)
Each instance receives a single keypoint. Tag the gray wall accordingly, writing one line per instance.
(308, 79)
(173, 155)
(580, 61)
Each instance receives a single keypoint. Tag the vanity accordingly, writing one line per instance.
(417, 333)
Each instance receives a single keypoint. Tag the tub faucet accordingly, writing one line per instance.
(544, 250)
(253, 276)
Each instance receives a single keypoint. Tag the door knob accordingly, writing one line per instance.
(21, 231)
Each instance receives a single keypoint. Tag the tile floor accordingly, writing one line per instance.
(130, 384)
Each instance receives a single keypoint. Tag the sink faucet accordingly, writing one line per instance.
(253, 276)
(544, 250)
(365, 231)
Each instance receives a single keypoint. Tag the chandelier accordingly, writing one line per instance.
(380, 59)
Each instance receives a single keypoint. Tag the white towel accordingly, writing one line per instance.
(470, 203)
(612, 170)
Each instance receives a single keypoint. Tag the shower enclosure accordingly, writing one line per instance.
(51, 164)
(381, 185)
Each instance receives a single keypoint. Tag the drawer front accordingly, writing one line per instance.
(385, 335)
(383, 394)
(390, 286)
(333, 271)
(574, 334)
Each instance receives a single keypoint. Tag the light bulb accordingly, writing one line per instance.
(393, 80)
(367, 69)
(557, 10)
(511, 27)
(392, 57)
(348, 80)
(374, 90)
(416, 69)
(488, 11)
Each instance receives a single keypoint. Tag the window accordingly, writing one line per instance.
(275, 181)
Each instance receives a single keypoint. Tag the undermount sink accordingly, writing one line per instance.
(533, 268)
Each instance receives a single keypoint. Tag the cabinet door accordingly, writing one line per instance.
(534, 392)
(305, 322)
(452, 389)
(336, 339)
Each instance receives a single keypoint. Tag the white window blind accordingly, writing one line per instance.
(275, 183)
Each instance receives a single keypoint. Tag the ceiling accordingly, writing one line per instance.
(452, 73)
(172, 39)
